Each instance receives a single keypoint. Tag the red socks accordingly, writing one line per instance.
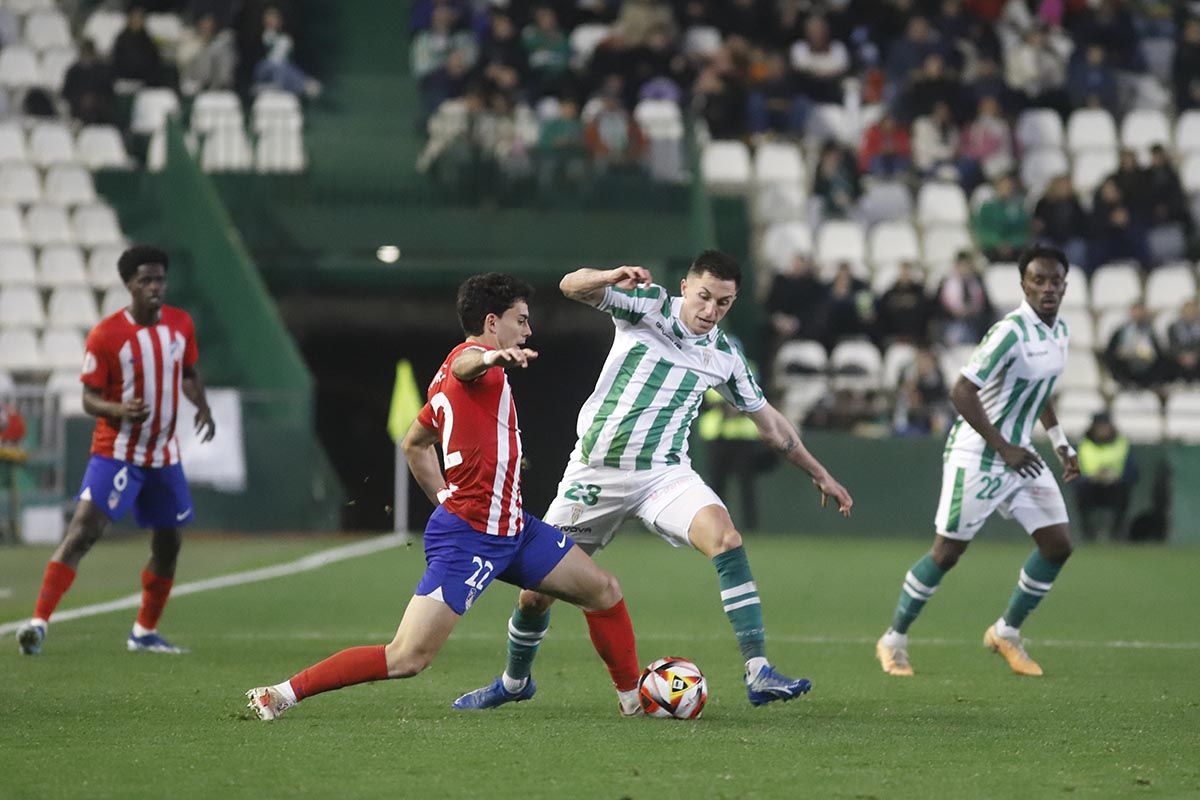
(612, 636)
(350, 666)
(55, 582)
(155, 591)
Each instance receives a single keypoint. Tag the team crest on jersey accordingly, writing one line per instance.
(576, 513)
(114, 499)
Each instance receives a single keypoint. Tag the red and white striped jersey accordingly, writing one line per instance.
(481, 446)
(124, 361)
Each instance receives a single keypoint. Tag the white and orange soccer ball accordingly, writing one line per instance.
(673, 687)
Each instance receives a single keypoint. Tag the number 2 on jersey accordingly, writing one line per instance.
(440, 402)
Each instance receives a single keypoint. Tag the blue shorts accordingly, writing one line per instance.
(159, 496)
(461, 561)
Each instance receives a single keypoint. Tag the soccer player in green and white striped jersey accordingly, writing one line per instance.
(990, 466)
(631, 459)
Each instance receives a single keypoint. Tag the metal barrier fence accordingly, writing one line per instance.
(40, 478)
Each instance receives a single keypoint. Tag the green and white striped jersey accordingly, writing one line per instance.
(1015, 367)
(649, 391)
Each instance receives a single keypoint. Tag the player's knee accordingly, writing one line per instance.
(405, 663)
(728, 539)
(1057, 551)
(608, 593)
(534, 602)
(946, 557)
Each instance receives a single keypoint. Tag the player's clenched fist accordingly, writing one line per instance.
(135, 410)
(630, 277)
(509, 357)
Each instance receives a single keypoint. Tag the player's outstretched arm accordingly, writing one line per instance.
(775, 429)
(1062, 448)
(134, 410)
(965, 396)
(193, 389)
(420, 450)
(587, 285)
(470, 364)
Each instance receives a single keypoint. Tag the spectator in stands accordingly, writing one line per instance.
(922, 399)
(836, 182)
(561, 147)
(613, 137)
(431, 51)
(962, 304)
(449, 80)
(1135, 189)
(1106, 477)
(849, 308)
(549, 53)
(1183, 343)
(905, 55)
(987, 143)
(1185, 68)
(986, 79)
(934, 84)
(1091, 82)
(722, 102)
(935, 142)
(1037, 67)
(135, 57)
(656, 67)
(1115, 236)
(1169, 219)
(1110, 26)
(502, 60)
(821, 63)
(886, 149)
(1001, 225)
(207, 58)
(796, 301)
(773, 104)
(1133, 355)
(638, 18)
(904, 311)
(88, 88)
(277, 70)
(1059, 219)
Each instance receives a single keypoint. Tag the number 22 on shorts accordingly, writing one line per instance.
(483, 571)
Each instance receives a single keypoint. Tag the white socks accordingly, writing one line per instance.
(139, 631)
(285, 689)
(754, 666)
(513, 685)
(894, 639)
(1003, 629)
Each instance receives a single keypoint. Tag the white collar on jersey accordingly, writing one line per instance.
(1027, 311)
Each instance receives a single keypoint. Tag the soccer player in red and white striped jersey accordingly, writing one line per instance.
(139, 362)
(479, 531)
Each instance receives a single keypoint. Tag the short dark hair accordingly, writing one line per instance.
(137, 255)
(489, 293)
(1042, 251)
(719, 265)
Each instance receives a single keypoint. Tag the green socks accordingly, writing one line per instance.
(525, 633)
(1037, 578)
(919, 585)
(739, 596)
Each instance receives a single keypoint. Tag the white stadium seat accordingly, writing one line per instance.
(45, 30)
(778, 162)
(226, 149)
(1187, 133)
(704, 41)
(726, 166)
(1039, 128)
(6, 383)
(21, 306)
(1039, 167)
(1189, 173)
(276, 110)
(65, 385)
(1169, 285)
(48, 224)
(783, 241)
(69, 185)
(1115, 286)
(12, 143)
(1075, 409)
(779, 202)
(213, 110)
(25, 7)
(899, 357)
(1080, 328)
(61, 265)
(1138, 415)
(17, 265)
(885, 201)
(1003, 283)
(940, 203)
(165, 29)
(20, 184)
(1183, 415)
(19, 67)
(893, 242)
(283, 151)
(12, 226)
(62, 348)
(942, 245)
(96, 225)
(856, 366)
(151, 107)
(1091, 129)
(1080, 372)
(103, 27)
(1077, 295)
(952, 360)
(53, 66)
(72, 307)
(19, 351)
(841, 240)
(101, 147)
(51, 143)
(115, 298)
(102, 267)
(1090, 170)
(1142, 128)
(800, 376)
(1107, 323)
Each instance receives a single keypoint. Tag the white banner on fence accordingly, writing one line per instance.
(221, 463)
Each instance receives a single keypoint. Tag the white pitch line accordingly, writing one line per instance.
(306, 564)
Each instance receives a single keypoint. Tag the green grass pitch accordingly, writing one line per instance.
(1117, 714)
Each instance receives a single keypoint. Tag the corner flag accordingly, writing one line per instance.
(406, 402)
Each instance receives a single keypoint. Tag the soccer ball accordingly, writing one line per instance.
(673, 687)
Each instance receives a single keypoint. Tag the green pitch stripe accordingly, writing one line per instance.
(998, 354)
(989, 454)
(640, 403)
(684, 428)
(657, 428)
(956, 501)
(624, 374)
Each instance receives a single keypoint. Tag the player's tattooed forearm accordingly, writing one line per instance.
(789, 445)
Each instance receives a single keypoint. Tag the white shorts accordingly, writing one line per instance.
(593, 502)
(969, 497)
